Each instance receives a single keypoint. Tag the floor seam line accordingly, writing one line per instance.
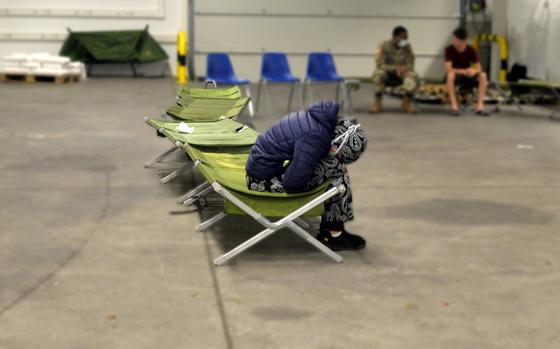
(218, 295)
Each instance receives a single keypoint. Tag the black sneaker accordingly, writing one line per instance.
(482, 112)
(345, 241)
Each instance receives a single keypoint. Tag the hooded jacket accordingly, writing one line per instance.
(303, 138)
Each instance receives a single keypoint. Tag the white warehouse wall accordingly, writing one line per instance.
(533, 31)
(350, 29)
(40, 25)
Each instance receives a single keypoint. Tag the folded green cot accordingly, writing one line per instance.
(207, 105)
(224, 172)
(230, 93)
(206, 110)
(223, 133)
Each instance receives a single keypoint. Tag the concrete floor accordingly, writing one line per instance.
(461, 216)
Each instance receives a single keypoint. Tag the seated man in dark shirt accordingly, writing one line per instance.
(462, 67)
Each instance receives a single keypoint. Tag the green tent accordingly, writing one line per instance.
(123, 46)
(113, 46)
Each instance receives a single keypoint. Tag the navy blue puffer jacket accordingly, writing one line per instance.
(303, 138)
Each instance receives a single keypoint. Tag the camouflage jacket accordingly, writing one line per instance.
(387, 56)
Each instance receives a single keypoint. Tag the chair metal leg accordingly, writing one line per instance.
(211, 221)
(258, 102)
(248, 94)
(302, 105)
(310, 91)
(345, 100)
(292, 87)
(267, 92)
(194, 192)
(304, 92)
(175, 173)
(337, 94)
(348, 92)
(162, 156)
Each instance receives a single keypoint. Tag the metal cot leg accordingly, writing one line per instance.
(162, 156)
(302, 223)
(316, 243)
(287, 221)
(191, 193)
(244, 246)
(557, 95)
(197, 197)
(176, 173)
(211, 221)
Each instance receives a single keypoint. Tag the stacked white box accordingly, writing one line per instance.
(14, 64)
(40, 64)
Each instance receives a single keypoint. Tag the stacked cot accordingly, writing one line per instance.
(201, 124)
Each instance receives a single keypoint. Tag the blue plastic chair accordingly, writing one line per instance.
(321, 69)
(220, 70)
(276, 69)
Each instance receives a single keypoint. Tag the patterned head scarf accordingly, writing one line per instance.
(350, 141)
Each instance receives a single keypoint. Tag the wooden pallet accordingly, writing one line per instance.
(39, 78)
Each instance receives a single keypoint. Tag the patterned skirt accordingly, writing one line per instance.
(338, 209)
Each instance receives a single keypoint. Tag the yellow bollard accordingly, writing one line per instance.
(502, 43)
(182, 58)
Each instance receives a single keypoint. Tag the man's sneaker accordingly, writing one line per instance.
(345, 241)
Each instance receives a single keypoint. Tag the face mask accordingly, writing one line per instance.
(403, 43)
(343, 138)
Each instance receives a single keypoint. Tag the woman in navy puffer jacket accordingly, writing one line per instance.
(304, 139)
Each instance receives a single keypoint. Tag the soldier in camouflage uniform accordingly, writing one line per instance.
(395, 64)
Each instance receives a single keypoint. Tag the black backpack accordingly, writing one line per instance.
(517, 72)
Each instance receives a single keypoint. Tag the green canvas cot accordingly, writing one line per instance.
(207, 105)
(206, 110)
(230, 93)
(219, 148)
(225, 175)
(228, 169)
(223, 133)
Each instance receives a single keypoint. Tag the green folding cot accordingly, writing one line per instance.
(229, 93)
(219, 148)
(207, 105)
(220, 133)
(206, 110)
(548, 90)
(223, 133)
(224, 172)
